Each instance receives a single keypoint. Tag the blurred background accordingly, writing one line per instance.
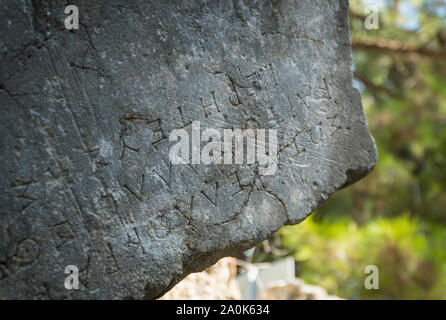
(395, 218)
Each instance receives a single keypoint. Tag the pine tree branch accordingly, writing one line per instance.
(391, 46)
(375, 87)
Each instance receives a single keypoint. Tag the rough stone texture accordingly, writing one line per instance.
(85, 177)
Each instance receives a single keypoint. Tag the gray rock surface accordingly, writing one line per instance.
(85, 177)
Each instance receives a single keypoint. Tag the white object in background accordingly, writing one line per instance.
(268, 274)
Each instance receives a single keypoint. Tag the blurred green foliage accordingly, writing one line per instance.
(396, 217)
(409, 254)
